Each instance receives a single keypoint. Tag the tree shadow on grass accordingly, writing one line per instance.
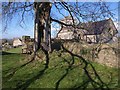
(11, 71)
(96, 83)
(70, 64)
(14, 70)
(6, 53)
(27, 83)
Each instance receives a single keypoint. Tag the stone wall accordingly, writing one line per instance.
(108, 56)
(105, 54)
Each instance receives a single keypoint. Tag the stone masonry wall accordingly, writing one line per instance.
(105, 54)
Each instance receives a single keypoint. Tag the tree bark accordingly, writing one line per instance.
(42, 30)
(36, 28)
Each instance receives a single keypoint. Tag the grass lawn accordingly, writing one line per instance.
(59, 74)
(15, 50)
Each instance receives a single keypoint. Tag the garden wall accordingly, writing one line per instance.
(105, 54)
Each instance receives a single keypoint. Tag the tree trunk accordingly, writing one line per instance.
(42, 31)
(36, 28)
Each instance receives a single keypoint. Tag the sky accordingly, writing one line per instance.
(14, 29)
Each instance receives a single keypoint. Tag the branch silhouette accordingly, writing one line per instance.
(38, 76)
(67, 71)
(96, 84)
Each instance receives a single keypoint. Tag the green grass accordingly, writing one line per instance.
(59, 73)
(15, 50)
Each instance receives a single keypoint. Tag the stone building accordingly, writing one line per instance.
(27, 44)
(17, 42)
(91, 32)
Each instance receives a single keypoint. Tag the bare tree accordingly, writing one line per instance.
(82, 12)
(43, 16)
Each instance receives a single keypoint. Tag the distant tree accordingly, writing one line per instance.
(10, 41)
(4, 41)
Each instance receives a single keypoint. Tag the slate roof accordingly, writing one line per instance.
(96, 28)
